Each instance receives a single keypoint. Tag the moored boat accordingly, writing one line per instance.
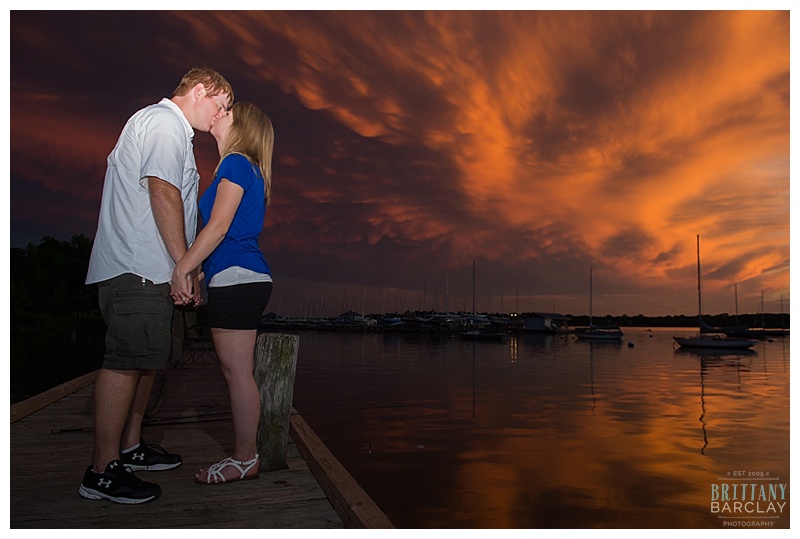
(595, 333)
(479, 335)
(714, 341)
(704, 339)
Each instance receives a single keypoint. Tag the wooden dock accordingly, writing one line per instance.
(51, 446)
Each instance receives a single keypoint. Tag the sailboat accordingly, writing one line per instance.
(478, 334)
(704, 339)
(761, 332)
(597, 333)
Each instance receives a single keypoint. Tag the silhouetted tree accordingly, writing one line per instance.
(56, 329)
(49, 278)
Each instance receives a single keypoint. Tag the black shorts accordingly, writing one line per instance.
(238, 306)
(138, 315)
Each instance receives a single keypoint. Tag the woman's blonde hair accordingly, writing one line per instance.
(251, 135)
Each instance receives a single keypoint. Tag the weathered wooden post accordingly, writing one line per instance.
(275, 362)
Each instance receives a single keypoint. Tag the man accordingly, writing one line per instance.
(148, 218)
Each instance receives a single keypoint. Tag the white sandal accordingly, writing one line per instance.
(215, 471)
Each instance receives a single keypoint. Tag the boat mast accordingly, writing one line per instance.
(782, 312)
(446, 293)
(590, 297)
(473, 291)
(699, 296)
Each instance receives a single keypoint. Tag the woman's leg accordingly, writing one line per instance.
(235, 350)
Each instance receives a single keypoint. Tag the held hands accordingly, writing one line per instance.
(185, 288)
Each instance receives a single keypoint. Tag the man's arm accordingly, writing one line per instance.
(167, 206)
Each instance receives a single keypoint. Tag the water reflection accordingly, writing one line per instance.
(715, 358)
(543, 431)
(474, 345)
(591, 376)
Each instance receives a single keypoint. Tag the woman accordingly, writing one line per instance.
(239, 280)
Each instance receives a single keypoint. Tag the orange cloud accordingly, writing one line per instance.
(548, 141)
(559, 120)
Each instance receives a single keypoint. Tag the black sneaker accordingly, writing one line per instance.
(150, 458)
(117, 484)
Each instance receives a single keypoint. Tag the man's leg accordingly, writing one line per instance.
(107, 478)
(130, 312)
(133, 426)
(113, 395)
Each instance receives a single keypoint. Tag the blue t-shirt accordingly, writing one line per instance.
(239, 247)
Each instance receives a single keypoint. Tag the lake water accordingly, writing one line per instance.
(551, 432)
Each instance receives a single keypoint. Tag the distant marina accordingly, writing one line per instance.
(421, 321)
(548, 323)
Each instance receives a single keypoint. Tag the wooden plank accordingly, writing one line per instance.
(37, 402)
(51, 448)
(352, 503)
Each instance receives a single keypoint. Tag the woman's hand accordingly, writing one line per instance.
(182, 287)
(197, 299)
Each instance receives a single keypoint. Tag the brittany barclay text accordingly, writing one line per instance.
(748, 499)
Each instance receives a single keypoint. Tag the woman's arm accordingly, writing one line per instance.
(229, 195)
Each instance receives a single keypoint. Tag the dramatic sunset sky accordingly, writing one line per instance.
(408, 144)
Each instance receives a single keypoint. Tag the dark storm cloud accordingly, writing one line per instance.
(410, 143)
(630, 243)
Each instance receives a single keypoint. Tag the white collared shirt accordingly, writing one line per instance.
(157, 142)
